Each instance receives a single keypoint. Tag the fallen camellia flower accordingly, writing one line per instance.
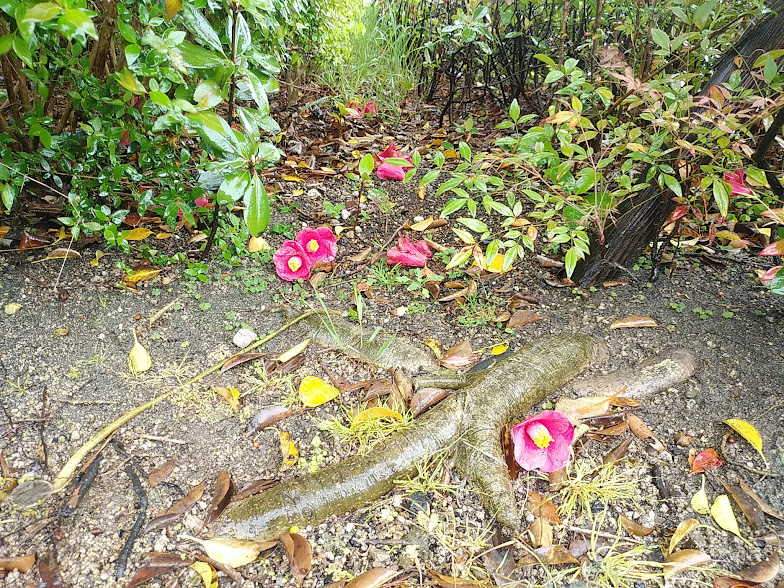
(408, 253)
(292, 261)
(357, 110)
(319, 244)
(387, 171)
(201, 201)
(542, 441)
(736, 180)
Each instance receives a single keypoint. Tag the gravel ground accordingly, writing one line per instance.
(60, 389)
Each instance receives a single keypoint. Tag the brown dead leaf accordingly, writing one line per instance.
(266, 417)
(642, 432)
(635, 528)
(62, 253)
(763, 571)
(543, 507)
(618, 452)
(545, 261)
(29, 241)
(230, 395)
(683, 529)
(21, 563)
(373, 578)
(443, 581)
(683, 560)
(553, 555)
(170, 515)
(612, 431)
(576, 409)
(162, 472)
(49, 570)
(508, 446)
(254, 487)
(633, 321)
(224, 491)
(523, 317)
(361, 256)
(425, 398)
(157, 564)
(299, 553)
(766, 508)
(316, 279)
(541, 533)
(378, 388)
(750, 508)
(556, 479)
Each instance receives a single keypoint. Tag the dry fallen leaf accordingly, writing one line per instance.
(633, 321)
(763, 571)
(157, 564)
(206, 572)
(750, 508)
(373, 578)
(721, 511)
(293, 352)
(288, 450)
(699, 502)
(443, 581)
(683, 560)
(683, 529)
(138, 359)
(162, 472)
(618, 452)
(230, 395)
(706, 460)
(22, 563)
(576, 409)
(232, 552)
(749, 433)
(374, 414)
(268, 416)
(634, 527)
(553, 555)
(137, 234)
(224, 491)
(766, 508)
(425, 398)
(541, 533)
(642, 432)
(315, 391)
(299, 553)
(142, 275)
(523, 317)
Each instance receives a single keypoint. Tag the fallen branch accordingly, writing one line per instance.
(471, 418)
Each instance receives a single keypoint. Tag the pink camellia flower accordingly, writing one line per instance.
(201, 201)
(291, 261)
(370, 108)
(387, 171)
(542, 441)
(319, 244)
(408, 253)
(736, 180)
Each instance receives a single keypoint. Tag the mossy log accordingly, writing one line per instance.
(471, 419)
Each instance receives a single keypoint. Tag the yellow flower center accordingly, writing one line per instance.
(539, 435)
(294, 263)
(312, 246)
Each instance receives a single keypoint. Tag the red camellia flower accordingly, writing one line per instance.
(408, 253)
(542, 441)
(736, 180)
(291, 261)
(319, 244)
(387, 171)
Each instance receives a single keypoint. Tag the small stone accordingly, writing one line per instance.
(344, 214)
(313, 193)
(244, 337)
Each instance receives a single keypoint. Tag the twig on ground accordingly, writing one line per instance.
(740, 464)
(122, 561)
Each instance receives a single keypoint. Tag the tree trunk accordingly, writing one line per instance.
(640, 217)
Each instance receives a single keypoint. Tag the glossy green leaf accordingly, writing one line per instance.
(198, 57)
(721, 193)
(132, 53)
(256, 90)
(474, 224)
(243, 35)
(22, 50)
(161, 99)
(429, 177)
(201, 28)
(453, 205)
(514, 110)
(462, 255)
(253, 120)
(366, 165)
(6, 43)
(215, 131)
(8, 195)
(234, 187)
(128, 81)
(673, 184)
(257, 208)
(81, 22)
(465, 150)
(703, 12)
(776, 285)
(42, 12)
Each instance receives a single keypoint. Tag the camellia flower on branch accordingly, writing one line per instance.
(736, 179)
(292, 261)
(387, 171)
(542, 441)
(408, 253)
(319, 244)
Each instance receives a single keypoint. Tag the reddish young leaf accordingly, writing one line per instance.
(706, 460)
(774, 249)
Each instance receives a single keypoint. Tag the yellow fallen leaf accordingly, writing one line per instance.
(749, 433)
(721, 511)
(422, 192)
(161, 236)
(231, 396)
(291, 178)
(233, 552)
(499, 349)
(699, 502)
(683, 560)
(315, 391)
(61, 253)
(288, 450)
(681, 531)
(293, 352)
(728, 235)
(451, 154)
(258, 244)
(422, 225)
(207, 573)
(136, 234)
(142, 275)
(12, 308)
(61, 332)
(435, 347)
(98, 255)
(497, 265)
(138, 359)
(374, 414)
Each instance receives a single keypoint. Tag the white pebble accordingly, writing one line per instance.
(244, 337)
